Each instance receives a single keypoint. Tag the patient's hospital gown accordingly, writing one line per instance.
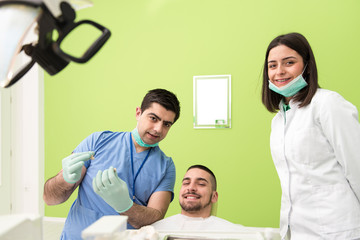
(181, 222)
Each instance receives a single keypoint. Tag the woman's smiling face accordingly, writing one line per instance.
(284, 64)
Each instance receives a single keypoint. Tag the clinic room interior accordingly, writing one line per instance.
(165, 44)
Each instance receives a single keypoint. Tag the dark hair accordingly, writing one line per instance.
(202, 167)
(163, 97)
(297, 42)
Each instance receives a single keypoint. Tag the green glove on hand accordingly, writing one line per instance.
(112, 189)
(72, 166)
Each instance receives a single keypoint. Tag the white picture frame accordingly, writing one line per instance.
(212, 101)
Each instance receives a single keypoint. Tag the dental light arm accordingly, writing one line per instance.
(44, 17)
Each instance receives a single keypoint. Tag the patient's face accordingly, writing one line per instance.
(196, 192)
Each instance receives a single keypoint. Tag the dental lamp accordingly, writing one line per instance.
(38, 31)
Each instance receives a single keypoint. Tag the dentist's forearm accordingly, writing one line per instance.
(139, 216)
(57, 190)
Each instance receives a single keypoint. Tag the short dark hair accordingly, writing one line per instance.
(202, 167)
(163, 97)
(297, 42)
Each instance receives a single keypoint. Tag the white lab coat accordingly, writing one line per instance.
(316, 152)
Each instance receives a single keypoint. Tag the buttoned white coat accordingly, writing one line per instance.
(316, 151)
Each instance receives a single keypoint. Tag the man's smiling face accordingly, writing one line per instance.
(197, 193)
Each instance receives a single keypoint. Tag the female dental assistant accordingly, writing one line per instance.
(315, 142)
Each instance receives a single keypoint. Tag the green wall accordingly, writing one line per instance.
(164, 43)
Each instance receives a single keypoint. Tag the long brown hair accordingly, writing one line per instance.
(297, 42)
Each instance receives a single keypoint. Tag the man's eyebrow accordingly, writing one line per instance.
(202, 179)
(197, 179)
(186, 178)
(158, 118)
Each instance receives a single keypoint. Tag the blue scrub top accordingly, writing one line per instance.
(113, 149)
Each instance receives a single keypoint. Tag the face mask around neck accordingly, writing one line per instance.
(139, 141)
(291, 88)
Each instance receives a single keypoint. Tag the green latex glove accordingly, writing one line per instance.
(112, 189)
(72, 166)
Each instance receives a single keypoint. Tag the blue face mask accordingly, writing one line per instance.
(139, 141)
(291, 88)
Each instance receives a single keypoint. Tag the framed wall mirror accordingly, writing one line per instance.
(212, 101)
